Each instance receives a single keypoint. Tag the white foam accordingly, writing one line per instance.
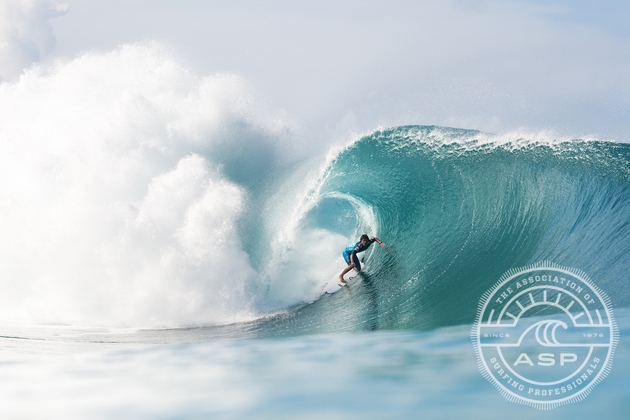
(303, 259)
(113, 208)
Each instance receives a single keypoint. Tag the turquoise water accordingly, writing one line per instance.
(395, 374)
(456, 209)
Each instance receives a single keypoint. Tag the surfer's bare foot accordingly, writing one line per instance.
(341, 279)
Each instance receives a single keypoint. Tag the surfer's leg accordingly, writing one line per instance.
(346, 257)
(343, 273)
(357, 263)
(353, 263)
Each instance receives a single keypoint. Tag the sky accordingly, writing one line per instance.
(339, 67)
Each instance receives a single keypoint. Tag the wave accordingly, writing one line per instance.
(457, 209)
(138, 194)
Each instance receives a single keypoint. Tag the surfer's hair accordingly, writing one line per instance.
(364, 236)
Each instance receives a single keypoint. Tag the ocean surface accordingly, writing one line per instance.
(98, 373)
(164, 255)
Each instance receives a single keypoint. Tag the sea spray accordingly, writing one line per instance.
(121, 188)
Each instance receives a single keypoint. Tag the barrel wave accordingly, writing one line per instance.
(163, 199)
(457, 209)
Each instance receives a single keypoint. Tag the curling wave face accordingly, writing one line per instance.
(457, 209)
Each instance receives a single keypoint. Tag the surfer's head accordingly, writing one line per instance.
(365, 239)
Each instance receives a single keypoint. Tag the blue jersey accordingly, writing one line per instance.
(358, 247)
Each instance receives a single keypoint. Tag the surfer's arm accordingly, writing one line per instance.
(379, 241)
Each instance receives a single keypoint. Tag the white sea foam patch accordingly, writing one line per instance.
(113, 207)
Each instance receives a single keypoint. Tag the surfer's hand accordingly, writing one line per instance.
(382, 244)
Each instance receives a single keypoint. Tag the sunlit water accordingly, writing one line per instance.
(81, 373)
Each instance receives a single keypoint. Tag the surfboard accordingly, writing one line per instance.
(335, 285)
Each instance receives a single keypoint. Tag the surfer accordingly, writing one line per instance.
(351, 251)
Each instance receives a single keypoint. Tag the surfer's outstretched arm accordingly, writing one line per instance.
(379, 241)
